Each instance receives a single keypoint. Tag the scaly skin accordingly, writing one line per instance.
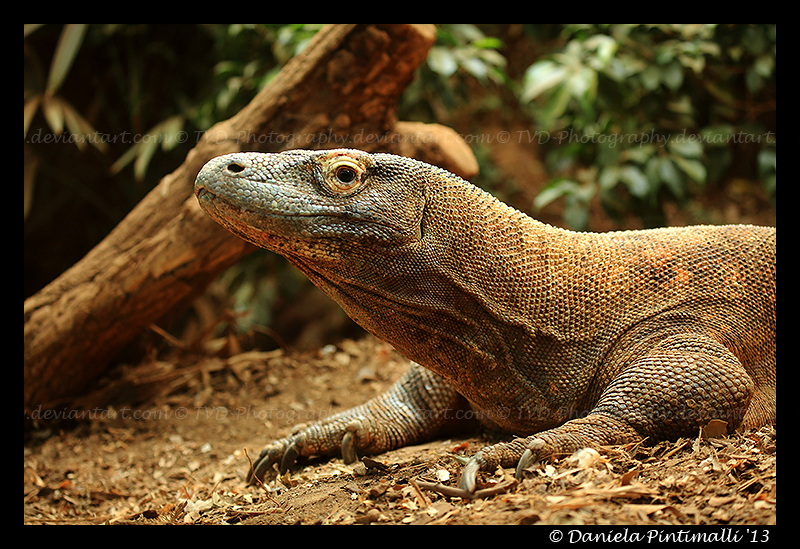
(564, 339)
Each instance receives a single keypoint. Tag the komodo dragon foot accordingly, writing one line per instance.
(420, 406)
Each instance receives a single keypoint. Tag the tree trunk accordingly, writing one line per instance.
(342, 90)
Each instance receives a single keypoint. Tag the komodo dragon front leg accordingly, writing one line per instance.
(420, 406)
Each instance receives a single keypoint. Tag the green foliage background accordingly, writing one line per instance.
(660, 109)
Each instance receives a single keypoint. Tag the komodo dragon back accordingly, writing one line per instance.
(561, 338)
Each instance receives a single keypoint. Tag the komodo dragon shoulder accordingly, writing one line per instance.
(564, 339)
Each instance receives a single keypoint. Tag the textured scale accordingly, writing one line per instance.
(564, 339)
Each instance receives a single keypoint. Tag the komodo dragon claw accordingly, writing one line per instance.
(285, 452)
(469, 474)
(268, 457)
(524, 462)
(289, 457)
(349, 448)
(489, 456)
(529, 456)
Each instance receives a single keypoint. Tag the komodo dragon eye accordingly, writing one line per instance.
(345, 175)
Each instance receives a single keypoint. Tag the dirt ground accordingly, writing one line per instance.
(181, 458)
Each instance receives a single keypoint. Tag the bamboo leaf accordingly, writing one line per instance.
(67, 48)
(28, 112)
(53, 113)
(81, 128)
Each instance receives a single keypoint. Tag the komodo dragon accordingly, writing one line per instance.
(564, 339)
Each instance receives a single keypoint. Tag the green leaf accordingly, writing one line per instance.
(53, 113)
(635, 180)
(442, 61)
(583, 84)
(126, 158)
(767, 161)
(686, 145)
(669, 174)
(540, 77)
(170, 130)
(467, 32)
(166, 134)
(554, 191)
(147, 149)
(605, 46)
(576, 215)
(764, 65)
(67, 48)
(577, 198)
(693, 168)
(672, 76)
(640, 154)
(81, 129)
(487, 43)
(609, 177)
(556, 105)
(753, 79)
(718, 135)
(651, 77)
(476, 67)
